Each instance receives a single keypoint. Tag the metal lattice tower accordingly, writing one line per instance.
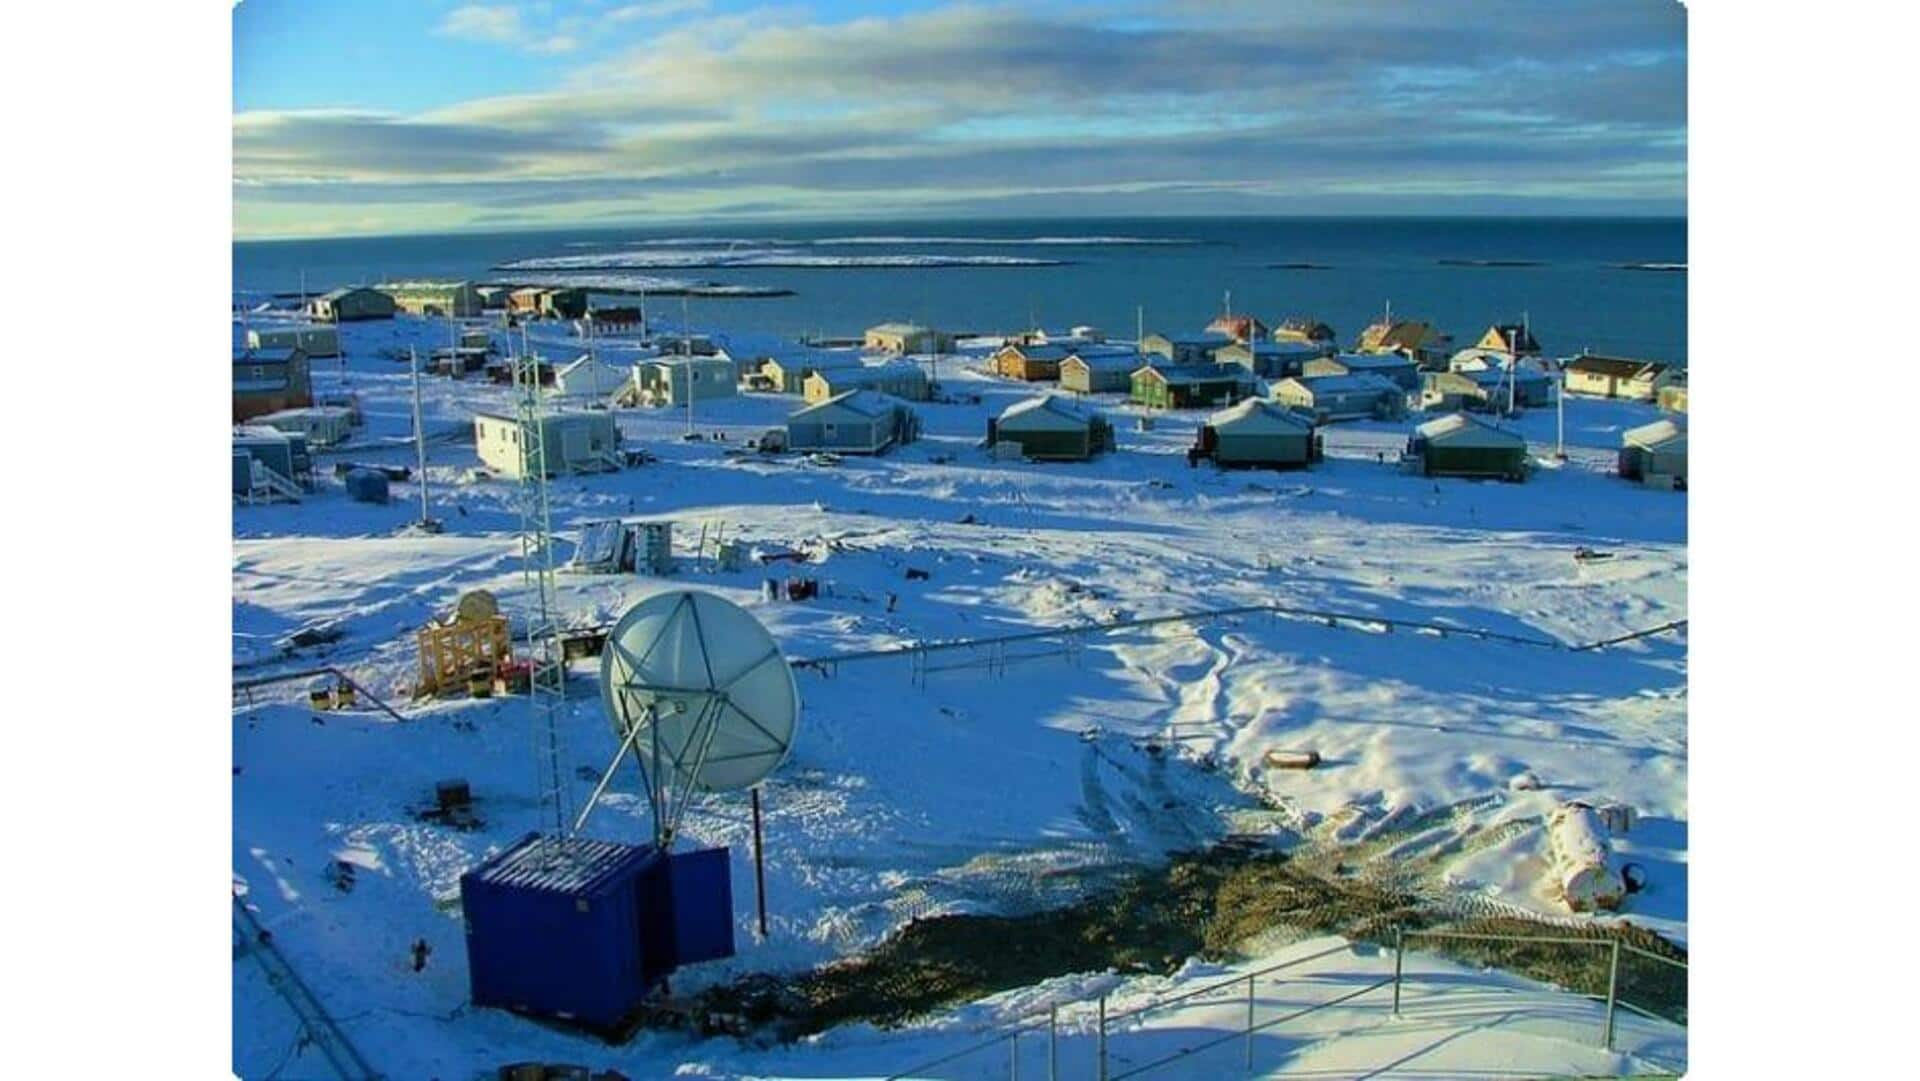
(547, 683)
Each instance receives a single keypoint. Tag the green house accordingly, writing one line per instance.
(1051, 428)
(1459, 445)
(1190, 386)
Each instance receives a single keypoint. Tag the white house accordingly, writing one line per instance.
(573, 442)
(323, 425)
(590, 377)
(1656, 454)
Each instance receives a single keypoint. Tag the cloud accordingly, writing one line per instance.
(497, 23)
(501, 24)
(1286, 102)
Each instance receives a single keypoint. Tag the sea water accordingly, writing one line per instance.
(1579, 288)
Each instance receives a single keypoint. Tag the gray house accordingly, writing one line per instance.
(1091, 372)
(1399, 369)
(856, 422)
(1341, 397)
(1656, 454)
(1272, 359)
(1186, 349)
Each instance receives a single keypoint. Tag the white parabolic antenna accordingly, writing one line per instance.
(701, 694)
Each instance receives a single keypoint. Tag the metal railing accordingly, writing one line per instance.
(1006, 1043)
(251, 939)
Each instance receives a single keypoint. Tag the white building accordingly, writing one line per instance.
(666, 380)
(314, 339)
(574, 442)
(589, 377)
(323, 425)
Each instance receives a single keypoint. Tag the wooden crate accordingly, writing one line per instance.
(451, 653)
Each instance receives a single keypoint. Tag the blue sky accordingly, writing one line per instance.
(361, 117)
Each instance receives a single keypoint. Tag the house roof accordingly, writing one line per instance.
(1277, 348)
(1497, 377)
(867, 403)
(1195, 373)
(1047, 412)
(1345, 384)
(1517, 337)
(1117, 360)
(1619, 367)
(581, 362)
(1205, 338)
(1234, 325)
(1038, 351)
(1399, 334)
(1307, 325)
(1368, 362)
(1461, 430)
(1257, 414)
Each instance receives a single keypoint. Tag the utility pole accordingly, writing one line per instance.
(1140, 329)
(420, 442)
(686, 361)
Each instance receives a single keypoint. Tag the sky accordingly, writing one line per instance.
(360, 117)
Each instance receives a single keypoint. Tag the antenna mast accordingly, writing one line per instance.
(547, 675)
(686, 360)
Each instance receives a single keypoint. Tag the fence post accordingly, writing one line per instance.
(1013, 1057)
(1100, 1046)
(1613, 987)
(1249, 1023)
(1399, 960)
(1053, 1042)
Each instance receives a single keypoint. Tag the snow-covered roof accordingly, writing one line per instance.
(272, 354)
(1361, 362)
(1122, 360)
(1048, 412)
(1040, 350)
(325, 412)
(899, 328)
(1667, 434)
(1197, 373)
(1461, 430)
(1345, 384)
(867, 403)
(1260, 415)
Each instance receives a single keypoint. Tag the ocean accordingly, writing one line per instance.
(1568, 276)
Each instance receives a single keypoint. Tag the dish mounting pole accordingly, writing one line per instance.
(547, 674)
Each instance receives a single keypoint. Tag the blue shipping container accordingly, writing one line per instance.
(555, 928)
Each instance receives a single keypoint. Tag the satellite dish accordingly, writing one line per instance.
(701, 694)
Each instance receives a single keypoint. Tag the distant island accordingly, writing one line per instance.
(1298, 266)
(1490, 262)
(1671, 268)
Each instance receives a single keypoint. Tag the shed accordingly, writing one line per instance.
(1459, 445)
(351, 305)
(667, 380)
(610, 323)
(787, 371)
(1031, 362)
(585, 441)
(1673, 397)
(1190, 386)
(1342, 397)
(322, 425)
(313, 339)
(903, 338)
(1257, 434)
(1656, 454)
(1187, 349)
(1271, 360)
(899, 378)
(1394, 367)
(590, 377)
(1051, 428)
(1618, 377)
(854, 422)
(548, 302)
(269, 380)
(1091, 372)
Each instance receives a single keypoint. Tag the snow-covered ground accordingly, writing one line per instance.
(986, 787)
